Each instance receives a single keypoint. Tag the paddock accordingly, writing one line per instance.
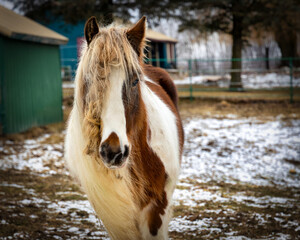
(234, 181)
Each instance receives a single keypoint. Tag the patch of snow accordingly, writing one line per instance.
(282, 236)
(262, 202)
(68, 85)
(83, 205)
(254, 81)
(202, 79)
(183, 224)
(268, 80)
(5, 184)
(73, 229)
(260, 218)
(36, 201)
(57, 237)
(3, 222)
(235, 238)
(194, 197)
(291, 224)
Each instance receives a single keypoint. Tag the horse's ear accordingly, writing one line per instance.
(91, 28)
(136, 35)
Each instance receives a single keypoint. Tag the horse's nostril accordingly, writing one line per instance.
(126, 152)
(103, 151)
(111, 155)
(118, 158)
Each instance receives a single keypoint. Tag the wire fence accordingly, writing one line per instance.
(279, 76)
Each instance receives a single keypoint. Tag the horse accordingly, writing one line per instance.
(124, 135)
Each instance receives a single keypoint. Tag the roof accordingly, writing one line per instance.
(158, 37)
(19, 27)
(151, 35)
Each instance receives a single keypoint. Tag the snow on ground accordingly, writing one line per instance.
(230, 150)
(253, 81)
(34, 154)
(219, 155)
(235, 151)
(81, 206)
(246, 150)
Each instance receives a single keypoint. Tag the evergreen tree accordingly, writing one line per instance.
(74, 11)
(234, 17)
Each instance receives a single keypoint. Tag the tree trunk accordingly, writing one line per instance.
(267, 58)
(236, 63)
(287, 42)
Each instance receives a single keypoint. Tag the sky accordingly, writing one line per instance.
(9, 5)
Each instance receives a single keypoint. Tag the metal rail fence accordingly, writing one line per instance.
(279, 76)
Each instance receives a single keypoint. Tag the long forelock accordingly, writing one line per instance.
(112, 48)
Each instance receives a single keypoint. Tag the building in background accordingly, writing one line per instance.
(161, 48)
(30, 76)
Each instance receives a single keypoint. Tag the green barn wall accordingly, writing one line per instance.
(31, 85)
(1, 84)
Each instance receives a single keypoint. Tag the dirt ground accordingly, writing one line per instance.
(261, 109)
(247, 95)
(44, 203)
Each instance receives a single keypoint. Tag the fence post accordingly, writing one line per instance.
(291, 80)
(190, 77)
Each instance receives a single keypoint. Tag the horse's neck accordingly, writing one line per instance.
(162, 123)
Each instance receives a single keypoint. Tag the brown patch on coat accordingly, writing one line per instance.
(113, 142)
(148, 173)
(162, 78)
(154, 221)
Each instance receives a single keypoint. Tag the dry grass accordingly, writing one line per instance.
(239, 108)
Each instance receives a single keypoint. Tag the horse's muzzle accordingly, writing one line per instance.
(111, 153)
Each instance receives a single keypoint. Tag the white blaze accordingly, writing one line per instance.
(113, 112)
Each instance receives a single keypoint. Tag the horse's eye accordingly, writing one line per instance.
(135, 82)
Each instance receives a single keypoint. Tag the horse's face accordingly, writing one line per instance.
(119, 107)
